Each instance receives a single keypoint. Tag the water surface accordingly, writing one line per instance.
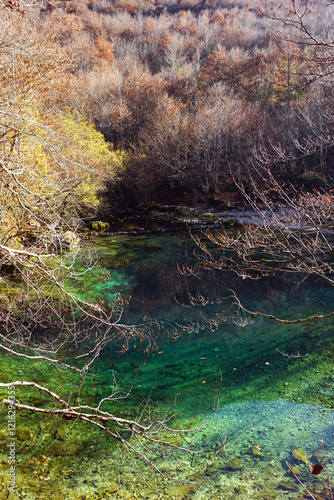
(261, 390)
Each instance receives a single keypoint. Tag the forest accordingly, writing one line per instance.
(188, 95)
(108, 107)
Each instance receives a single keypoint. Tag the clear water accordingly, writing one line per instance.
(259, 408)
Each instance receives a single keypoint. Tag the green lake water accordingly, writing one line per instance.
(264, 389)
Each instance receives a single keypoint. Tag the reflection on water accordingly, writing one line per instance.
(264, 390)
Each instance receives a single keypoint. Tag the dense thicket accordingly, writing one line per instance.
(192, 90)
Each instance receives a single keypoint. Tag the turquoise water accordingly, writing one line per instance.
(254, 397)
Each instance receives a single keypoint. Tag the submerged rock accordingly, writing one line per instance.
(299, 455)
(268, 472)
(65, 449)
(233, 464)
(255, 451)
(287, 486)
(265, 496)
(196, 476)
(59, 434)
(318, 456)
(295, 470)
(182, 490)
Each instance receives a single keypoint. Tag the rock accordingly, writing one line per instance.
(58, 495)
(295, 470)
(99, 226)
(240, 490)
(233, 464)
(22, 434)
(12, 496)
(126, 495)
(299, 455)
(211, 469)
(287, 486)
(65, 449)
(182, 490)
(268, 473)
(320, 488)
(318, 456)
(152, 496)
(255, 451)
(196, 476)
(59, 434)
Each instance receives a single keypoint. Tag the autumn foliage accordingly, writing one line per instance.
(191, 91)
(190, 95)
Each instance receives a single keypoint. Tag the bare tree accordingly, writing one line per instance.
(293, 228)
(218, 136)
(49, 162)
(290, 233)
(309, 25)
(166, 140)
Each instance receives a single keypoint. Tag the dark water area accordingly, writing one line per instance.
(261, 389)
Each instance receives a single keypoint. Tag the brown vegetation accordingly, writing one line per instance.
(155, 77)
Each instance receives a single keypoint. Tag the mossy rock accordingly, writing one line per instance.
(233, 464)
(295, 470)
(99, 226)
(312, 180)
(59, 434)
(65, 449)
(240, 490)
(299, 455)
(318, 456)
(182, 490)
(256, 453)
(196, 476)
(287, 486)
(265, 496)
(229, 223)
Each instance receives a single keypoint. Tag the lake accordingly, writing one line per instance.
(256, 396)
